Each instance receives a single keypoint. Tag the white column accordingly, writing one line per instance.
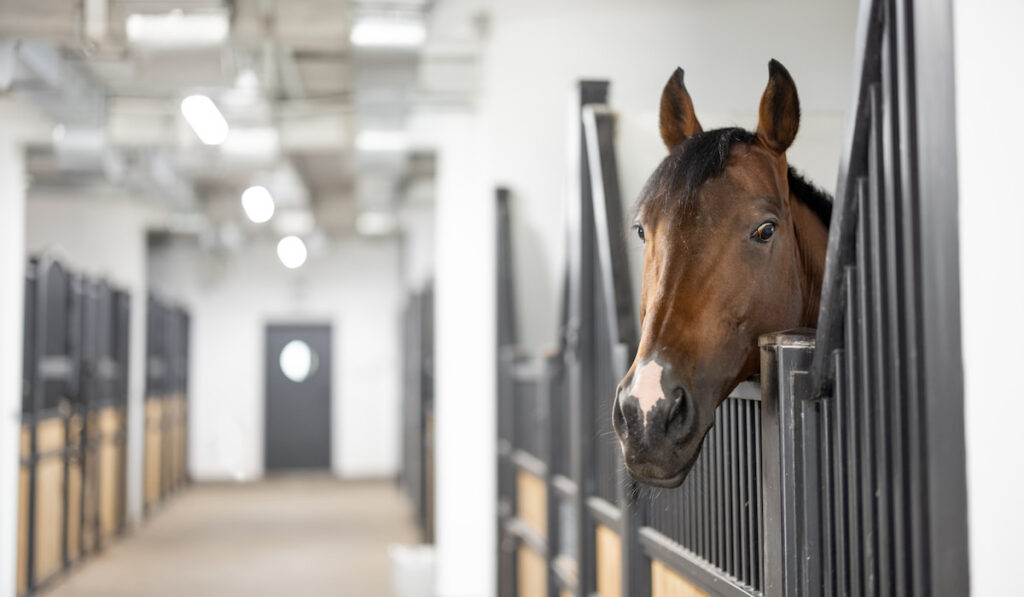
(464, 366)
(12, 288)
(988, 51)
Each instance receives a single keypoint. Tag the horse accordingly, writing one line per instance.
(734, 247)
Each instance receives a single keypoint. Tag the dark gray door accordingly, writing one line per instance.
(298, 413)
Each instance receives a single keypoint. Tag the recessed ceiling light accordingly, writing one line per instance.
(382, 32)
(291, 251)
(205, 119)
(258, 204)
(376, 223)
(382, 141)
(177, 29)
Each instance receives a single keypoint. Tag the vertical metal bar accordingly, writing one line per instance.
(853, 437)
(865, 372)
(759, 525)
(744, 502)
(727, 455)
(881, 362)
(581, 351)
(839, 460)
(895, 344)
(721, 481)
(825, 490)
(704, 503)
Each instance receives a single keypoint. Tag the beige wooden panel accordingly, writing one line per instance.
(532, 573)
(23, 495)
(90, 484)
(566, 593)
(50, 436)
(153, 440)
(26, 441)
(609, 562)
(74, 509)
(532, 502)
(109, 421)
(109, 468)
(665, 582)
(49, 516)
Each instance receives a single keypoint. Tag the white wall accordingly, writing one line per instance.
(105, 238)
(465, 360)
(539, 49)
(354, 286)
(12, 283)
(19, 124)
(990, 93)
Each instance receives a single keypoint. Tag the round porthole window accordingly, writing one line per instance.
(297, 360)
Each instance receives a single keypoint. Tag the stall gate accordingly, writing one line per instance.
(72, 480)
(166, 428)
(841, 470)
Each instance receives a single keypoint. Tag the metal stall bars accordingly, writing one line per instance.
(104, 390)
(60, 500)
(26, 471)
(166, 439)
(523, 468)
(891, 502)
(50, 390)
(564, 523)
(156, 373)
(417, 474)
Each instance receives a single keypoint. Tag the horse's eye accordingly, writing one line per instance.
(639, 231)
(764, 232)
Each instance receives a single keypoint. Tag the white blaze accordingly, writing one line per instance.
(647, 386)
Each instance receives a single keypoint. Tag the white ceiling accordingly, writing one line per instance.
(294, 91)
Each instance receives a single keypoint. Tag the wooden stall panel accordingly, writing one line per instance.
(74, 526)
(109, 469)
(23, 496)
(665, 582)
(178, 467)
(153, 440)
(49, 513)
(91, 485)
(533, 576)
(609, 562)
(532, 502)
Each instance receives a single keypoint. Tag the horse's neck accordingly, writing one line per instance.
(811, 240)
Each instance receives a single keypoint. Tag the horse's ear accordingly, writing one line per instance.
(779, 115)
(678, 120)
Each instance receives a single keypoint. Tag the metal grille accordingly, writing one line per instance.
(530, 414)
(716, 514)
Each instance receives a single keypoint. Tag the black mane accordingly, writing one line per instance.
(704, 156)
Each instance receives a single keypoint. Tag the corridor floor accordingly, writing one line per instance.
(287, 536)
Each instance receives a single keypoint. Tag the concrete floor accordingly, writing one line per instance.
(291, 536)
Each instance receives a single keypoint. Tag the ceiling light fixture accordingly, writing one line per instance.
(292, 252)
(258, 204)
(205, 119)
(381, 32)
(376, 223)
(177, 29)
(382, 141)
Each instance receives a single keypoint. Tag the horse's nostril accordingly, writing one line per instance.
(619, 420)
(678, 408)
